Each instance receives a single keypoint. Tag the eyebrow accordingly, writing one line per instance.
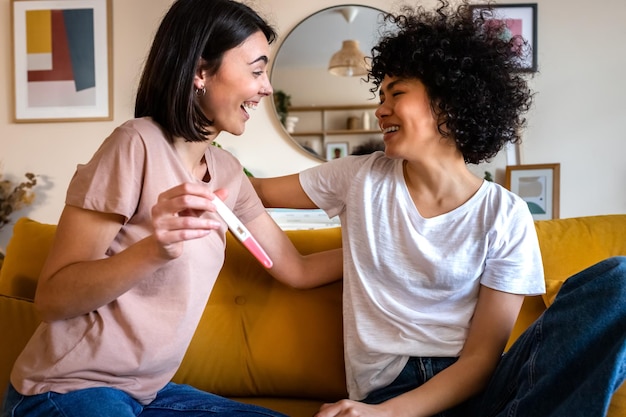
(390, 86)
(263, 58)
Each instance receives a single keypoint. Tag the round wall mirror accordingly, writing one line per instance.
(320, 94)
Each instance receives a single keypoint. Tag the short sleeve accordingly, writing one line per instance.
(514, 262)
(329, 184)
(111, 181)
(249, 205)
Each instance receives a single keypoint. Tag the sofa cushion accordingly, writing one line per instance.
(25, 255)
(282, 342)
(570, 245)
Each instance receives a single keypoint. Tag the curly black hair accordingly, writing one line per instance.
(470, 69)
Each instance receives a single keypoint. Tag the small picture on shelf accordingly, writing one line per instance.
(538, 185)
(336, 150)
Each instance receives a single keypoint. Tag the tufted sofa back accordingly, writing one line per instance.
(257, 337)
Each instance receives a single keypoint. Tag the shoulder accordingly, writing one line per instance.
(352, 164)
(507, 215)
(501, 200)
(135, 129)
(136, 135)
(499, 212)
(350, 172)
(142, 128)
(226, 161)
(222, 154)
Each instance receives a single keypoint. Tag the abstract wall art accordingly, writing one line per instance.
(62, 60)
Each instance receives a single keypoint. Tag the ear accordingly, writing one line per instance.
(200, 79)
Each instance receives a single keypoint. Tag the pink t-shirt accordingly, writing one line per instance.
(136, 342)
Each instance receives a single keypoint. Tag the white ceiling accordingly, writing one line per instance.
(314, 40)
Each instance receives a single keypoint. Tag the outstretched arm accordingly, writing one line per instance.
(290, 267)
(282, 192)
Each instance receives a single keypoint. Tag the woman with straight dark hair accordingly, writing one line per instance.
(139, 245)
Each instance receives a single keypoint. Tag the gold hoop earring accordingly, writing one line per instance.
(200, 92)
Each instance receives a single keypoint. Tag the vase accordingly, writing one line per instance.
(290, 123)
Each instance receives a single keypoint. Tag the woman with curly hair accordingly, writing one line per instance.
(436, 260)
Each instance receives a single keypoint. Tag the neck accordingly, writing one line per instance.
(192, 156)
(437, 188)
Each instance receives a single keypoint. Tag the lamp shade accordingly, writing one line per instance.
(349, 61)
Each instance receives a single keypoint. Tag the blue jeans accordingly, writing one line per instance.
(568, 363)
(416, 372)
(173, 400)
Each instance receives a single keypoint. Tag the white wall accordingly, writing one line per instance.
(576, 119)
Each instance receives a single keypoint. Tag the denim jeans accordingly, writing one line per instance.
(566, 364)
(416, 372)
(173, 400)
(572, 359)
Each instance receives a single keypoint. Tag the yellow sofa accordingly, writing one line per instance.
(262, 342)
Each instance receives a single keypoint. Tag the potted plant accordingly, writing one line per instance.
(282, 101)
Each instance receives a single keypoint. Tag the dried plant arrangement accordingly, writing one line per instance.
(15, 196)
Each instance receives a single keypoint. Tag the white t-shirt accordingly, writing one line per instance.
(411, 283)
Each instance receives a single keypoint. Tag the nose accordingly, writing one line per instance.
(381, 111)
(267, 89)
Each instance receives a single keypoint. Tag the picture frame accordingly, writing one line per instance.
(521, 20)
(538, 185)
(71, 81)
(336, 150)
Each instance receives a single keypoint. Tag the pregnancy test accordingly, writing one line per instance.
(242, 233)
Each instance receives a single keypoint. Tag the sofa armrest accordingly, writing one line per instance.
(25, 255)
(18, 322)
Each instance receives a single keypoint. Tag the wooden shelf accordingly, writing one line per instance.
(337, 132)
(324, 111)
(334, 108)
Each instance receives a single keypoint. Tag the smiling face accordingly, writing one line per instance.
(238, 85)
(405, 116)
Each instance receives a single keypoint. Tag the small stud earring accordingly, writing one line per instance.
(200, 91)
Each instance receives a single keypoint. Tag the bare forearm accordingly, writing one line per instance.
(77, 278)
(283, 191)
(445, 390)
(290, 266)
(82, 287)
(315, 270)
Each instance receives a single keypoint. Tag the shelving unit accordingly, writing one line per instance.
(321, 126)
(328, 127)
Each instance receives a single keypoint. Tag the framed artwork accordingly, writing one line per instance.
(521, 21)
(62, 69)
(538, 185)
(336, 150)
